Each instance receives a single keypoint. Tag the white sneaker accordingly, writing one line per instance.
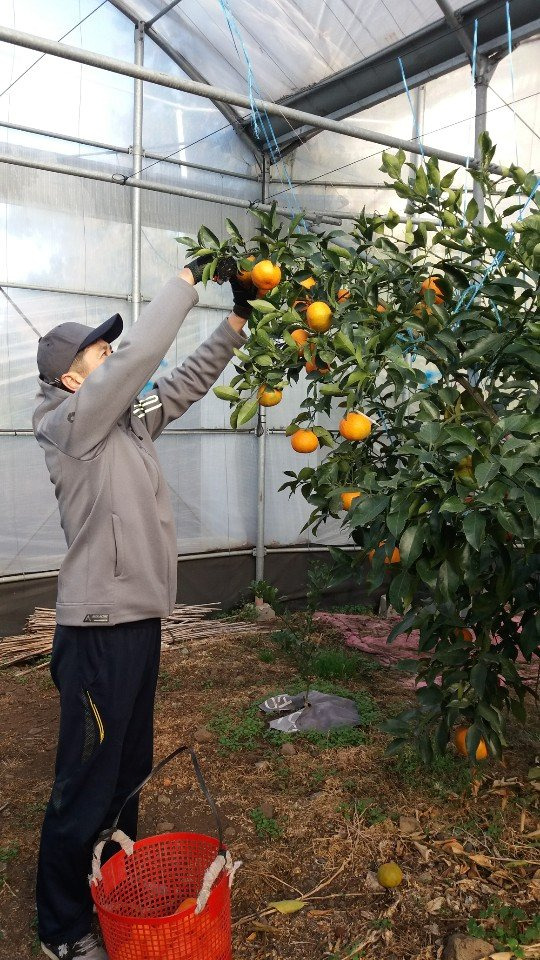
(86, 949)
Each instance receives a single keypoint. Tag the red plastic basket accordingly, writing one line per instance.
(137, 897)
(140, 898)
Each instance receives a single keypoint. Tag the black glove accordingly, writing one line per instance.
(241, 294)
(225, 269)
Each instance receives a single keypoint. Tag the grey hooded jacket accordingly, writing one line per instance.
(113, 500)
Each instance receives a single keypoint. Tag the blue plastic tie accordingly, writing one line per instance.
(415, 122)
(475, 50)
(509, 33)
(432, 376)
(262, 125)
(468, 160)
(472, 292)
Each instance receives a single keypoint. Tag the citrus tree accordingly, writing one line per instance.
(434, 467)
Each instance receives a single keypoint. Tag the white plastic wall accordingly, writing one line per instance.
(75, 234)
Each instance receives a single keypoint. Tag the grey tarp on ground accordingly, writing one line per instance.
(325, 712)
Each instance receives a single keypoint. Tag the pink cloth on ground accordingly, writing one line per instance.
(369, 635)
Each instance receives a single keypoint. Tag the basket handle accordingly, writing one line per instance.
(108, 833)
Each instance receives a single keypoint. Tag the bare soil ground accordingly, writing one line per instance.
(335, 813)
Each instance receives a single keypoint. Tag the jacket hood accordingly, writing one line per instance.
(48, 398)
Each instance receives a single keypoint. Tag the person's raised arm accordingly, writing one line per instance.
(84, 419)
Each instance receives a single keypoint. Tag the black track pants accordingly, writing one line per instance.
(107, 681)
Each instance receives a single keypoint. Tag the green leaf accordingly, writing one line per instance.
(485, 472)
(226, 393)
(404, 626)
(233, 230)
(474, 735)
(247, 411)
(367, 509)
(421, 184)
(263, 360)
(447, 580)
(263, 306)
(209, 270)
(325, 438)
(411, 543)
(462, 435)
(471, 211)
(429, 696)
(206, 238)
(532, 502)
(478, 677)
(489, 714)
(341, 251)
(400, 592)
(448, 179)
(474, 528)
(331, 390)
(508, 521)
(342, 342)
(453, 505)
(486, 345)
(430, 409)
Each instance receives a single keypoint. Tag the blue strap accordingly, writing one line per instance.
(415, 122)
(473, 77)
(475, 50)
(471, 292)
(261, 123)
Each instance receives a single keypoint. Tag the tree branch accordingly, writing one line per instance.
(466, 386)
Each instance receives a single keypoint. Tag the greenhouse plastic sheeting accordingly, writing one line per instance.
(447, 123)
(74, 234)
(291, 44)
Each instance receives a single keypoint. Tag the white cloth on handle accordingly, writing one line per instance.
(212, 873)
(120, 837)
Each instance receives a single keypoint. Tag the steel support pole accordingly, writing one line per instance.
(344, 127)
(481, 90)
(419, 103)
(148, 154)
(160, 14)
(120, 179)
(136, 195)
(261, 440)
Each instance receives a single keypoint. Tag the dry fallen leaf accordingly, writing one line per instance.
(422, 850)
(266, 928)
(480, 859)
(287, 906)
(435, 905)
(319, 913)
(453, 846)
(408, 826)
(534, 888)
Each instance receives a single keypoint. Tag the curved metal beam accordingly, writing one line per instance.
(234, 118)
(430, 53)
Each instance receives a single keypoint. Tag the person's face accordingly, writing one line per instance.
(96, 354)
(93, 357)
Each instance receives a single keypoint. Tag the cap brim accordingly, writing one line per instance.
(109, 330)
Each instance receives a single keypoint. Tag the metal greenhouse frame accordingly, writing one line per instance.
(436, 50)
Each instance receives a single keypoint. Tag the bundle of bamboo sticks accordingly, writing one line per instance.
(35, 642)
(187, 622)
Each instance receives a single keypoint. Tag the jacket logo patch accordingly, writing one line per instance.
(96, 618)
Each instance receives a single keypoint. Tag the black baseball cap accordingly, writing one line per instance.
(58, 348)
